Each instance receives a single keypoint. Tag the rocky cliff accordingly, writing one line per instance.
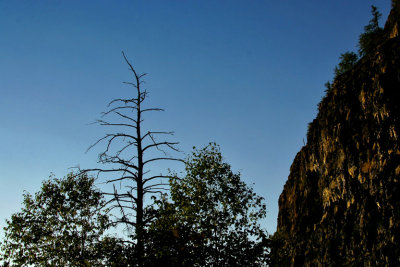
(341, 203)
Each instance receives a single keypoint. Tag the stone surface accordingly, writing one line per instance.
(341, 202)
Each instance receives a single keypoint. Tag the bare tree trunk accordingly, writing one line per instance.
(139, 207)
(132, 167)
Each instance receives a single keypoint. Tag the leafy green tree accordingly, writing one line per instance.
(115, 252)
(367, 41)
(212, 217)
(61, 225)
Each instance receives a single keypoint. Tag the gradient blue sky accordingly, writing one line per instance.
(245, 74)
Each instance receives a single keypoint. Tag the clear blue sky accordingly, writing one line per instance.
(245, 74)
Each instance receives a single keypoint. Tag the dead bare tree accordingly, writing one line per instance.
(128, 152)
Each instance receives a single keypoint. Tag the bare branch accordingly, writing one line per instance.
(131, 67)
(126, 117)
(142, 75)
(121, 179)
(117, 108)
(158, 177)
(155, 191)
(152, 133)
(152, 109)
(119, 205)
(94, 144)
(120, 100)
(109, 170)
(112, 137)
(102, 122)
(125, 147)
(157, 159)
(150, 189)
(134, 85)
(168, 144)
(132, 188)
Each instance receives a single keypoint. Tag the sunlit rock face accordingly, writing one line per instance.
(341, 203)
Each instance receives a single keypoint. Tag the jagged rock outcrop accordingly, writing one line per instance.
(341, 203)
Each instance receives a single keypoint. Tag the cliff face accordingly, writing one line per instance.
(341, 203)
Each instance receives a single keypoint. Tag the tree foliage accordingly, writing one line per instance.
(368, 40)
(211, 219)
(347, 62)
(367, 43)
(61, 225)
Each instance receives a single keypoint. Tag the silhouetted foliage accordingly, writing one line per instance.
(347, 62)
(328, 86)
(116, 253)
(129, 153)
(61, 225)
(367, 41)
(278, 256)
(211, 219)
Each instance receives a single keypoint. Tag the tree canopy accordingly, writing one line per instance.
(61, 225)
(212, 217)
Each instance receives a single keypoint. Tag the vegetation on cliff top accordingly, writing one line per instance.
(367, 43)
(341, 203)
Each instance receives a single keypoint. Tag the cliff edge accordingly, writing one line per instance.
(341, 202)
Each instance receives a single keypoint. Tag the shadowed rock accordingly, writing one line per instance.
(341, 203)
